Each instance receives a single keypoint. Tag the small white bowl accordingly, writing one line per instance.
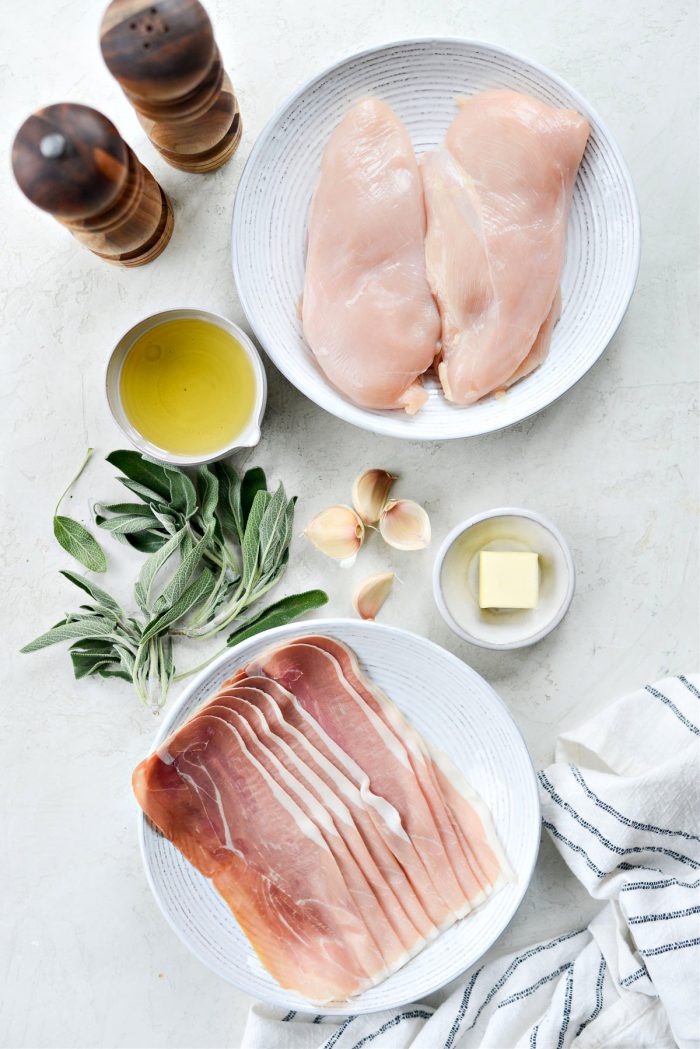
(248, 438)
(456, 575)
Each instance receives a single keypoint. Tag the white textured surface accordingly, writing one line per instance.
(421, 80)
(87, 959)
(464, 718)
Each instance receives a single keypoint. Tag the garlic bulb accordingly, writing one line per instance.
(405, 525)
(337, 532)
(371, 594)
(370, 492)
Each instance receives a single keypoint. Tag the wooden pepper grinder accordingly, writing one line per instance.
(71, 161)
(165, 58)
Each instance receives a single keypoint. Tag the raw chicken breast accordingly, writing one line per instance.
(497, 200)
(540, 347)
(367, 311)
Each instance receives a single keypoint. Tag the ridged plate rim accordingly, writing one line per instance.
(338, 627)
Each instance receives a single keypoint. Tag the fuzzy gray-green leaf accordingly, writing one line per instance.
(279, 614)
(140, 509)
(141, 470)
(145, 542)
(180, 581)
(96, 593)
(251, 537)
(271, 525)
(183, 496)
(148, 496)
(85, 627)
(126, 524)
(170, 523)
(229, 508)
(93, 656)
(254, 481)
(193, 595)
(79, 543)
(208, 494)
(152, 567)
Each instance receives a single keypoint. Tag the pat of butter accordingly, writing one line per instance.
(508, 579)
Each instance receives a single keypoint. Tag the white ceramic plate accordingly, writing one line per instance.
(455, 709)
(421, 80)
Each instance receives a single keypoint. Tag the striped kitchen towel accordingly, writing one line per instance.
(622, 805)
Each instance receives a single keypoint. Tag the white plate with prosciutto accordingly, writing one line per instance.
(435, 238)
(338, 815)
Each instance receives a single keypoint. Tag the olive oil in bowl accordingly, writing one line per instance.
(189, 386)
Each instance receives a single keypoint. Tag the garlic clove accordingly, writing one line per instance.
(371, 594)
(405, 525)
(337, 532)
(370, 492)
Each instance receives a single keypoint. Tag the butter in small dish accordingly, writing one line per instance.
(504, 578)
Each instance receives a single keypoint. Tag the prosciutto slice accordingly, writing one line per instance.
(341, 841)
(206, 792)
(377, 823)
(320, 687)
(464, 821)
(328, 815)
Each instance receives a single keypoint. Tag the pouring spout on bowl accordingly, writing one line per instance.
(250, 438)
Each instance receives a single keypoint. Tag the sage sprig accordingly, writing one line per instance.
(246, 529)
(74, 537)
(216, 544)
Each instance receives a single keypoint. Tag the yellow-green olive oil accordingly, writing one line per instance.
(188, 387)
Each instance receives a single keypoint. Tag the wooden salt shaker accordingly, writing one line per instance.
(164, 55)
(71, 161)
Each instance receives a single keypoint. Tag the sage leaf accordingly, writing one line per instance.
(95, 646)
(126, 524)
(84, 666)
(151, 568)
(289, 522)
(144, 471)
(229, 507)
(93, 656)
(146, 494)
(278, 614)
(125, 508)
(178, 584)
(168, 522)
(193, 595)
(84, 627)
(79, 543)
(183, 496)
(254, 481)
(96, 593)
(145, 542)
(208, 494)
(271, 524)
(251, 537)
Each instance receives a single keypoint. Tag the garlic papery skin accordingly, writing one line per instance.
(371, 594)
(370, 493)
(337, 532)
(405, 525)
